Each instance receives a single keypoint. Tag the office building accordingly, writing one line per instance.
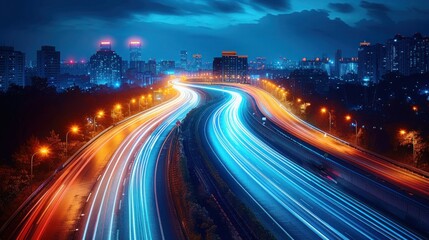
(197, 62)
(48, 64)
(12, 67)
(106, 66)
(135, 55)
(184, 60)
(231, 67)
(371, 63)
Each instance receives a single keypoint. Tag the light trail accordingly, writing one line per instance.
(277, 113)
(299, 202)
(136, 160)
(90, 178)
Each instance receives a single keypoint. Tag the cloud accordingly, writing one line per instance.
(274, 4)
(341, 7)
(377, 11)
(23, 13)
(227, 6)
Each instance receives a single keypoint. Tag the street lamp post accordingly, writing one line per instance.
(99, 114)
(324, 110)
(348, 118)
(133, 101)
(73, 129)
(43, 151)
(413, 142)
(140, 104)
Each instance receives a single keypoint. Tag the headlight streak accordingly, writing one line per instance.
(143, 180)
(136, 151)
(329, 213)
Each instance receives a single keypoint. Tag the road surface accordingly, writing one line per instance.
(85, 197)
(293, 201)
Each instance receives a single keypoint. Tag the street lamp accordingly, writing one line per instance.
(43, 151)
(140, 104)
(73, 129)
(132, 101)
(99, 114)
(413, 142)
(348, 118)
(324, 110)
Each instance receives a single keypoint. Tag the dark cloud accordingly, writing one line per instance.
(27, 13)
(227, 6)
(274, 4)
(376, 11)
(293, 35)
(341, 7)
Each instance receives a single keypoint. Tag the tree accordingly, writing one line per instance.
(23, 156)
(414, 139)
(56, 146)
(117, 114)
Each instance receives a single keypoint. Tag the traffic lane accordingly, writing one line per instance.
(389, 172)
(77, 179)
(267, 174)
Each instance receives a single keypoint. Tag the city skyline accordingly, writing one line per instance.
(270, 29)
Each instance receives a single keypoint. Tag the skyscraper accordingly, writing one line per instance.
(135, 55)
(197, 62)
(106, 66)
(184, 60)
(48, 64)
(11, 67)
(398, 54)
(231, 67)
(371, 62)
(419, 54)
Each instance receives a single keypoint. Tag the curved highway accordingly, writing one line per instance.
(277, 113)
(294, 202)
(85, 197)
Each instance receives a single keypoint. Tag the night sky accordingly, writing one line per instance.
(270, 28)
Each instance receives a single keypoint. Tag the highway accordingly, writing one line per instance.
(292, 201)
(277, 113)
(85, 199)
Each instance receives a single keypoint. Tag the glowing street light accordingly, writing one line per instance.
(142, 98)
(42, 151)
(73, 129)
(132, 101)
(403, 132)
(324, 110)
(349, 118)
(99, 114)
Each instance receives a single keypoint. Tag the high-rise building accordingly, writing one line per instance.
(184, 60)
(106, 66)
(398, 54)
(12, 67)
(135, 55)
(371, 62)
(231, 67)
(197, 62)
(48, 64)
(419, 54)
